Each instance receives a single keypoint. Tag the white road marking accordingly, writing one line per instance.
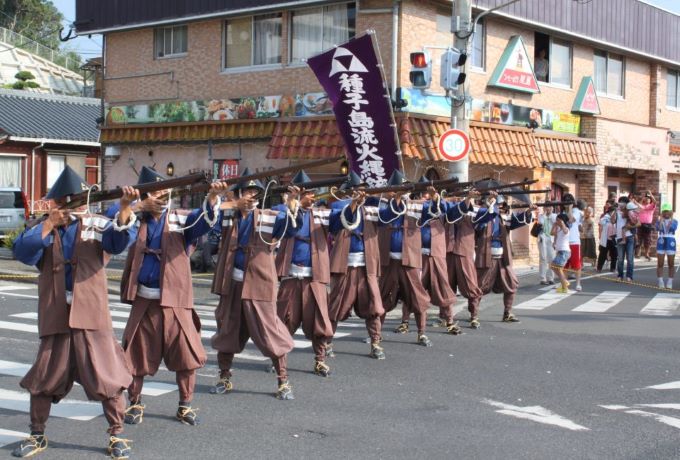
(22, 327)
(10, 437)
(660, 406)
(150, 388)
(603, 302)
(67, 408)
(543, 301)
(662, 304)
(599, 275)
(666, 420)
(614, 407)
(15, 288)
(247, 355)
(665, 386)
(536, 414)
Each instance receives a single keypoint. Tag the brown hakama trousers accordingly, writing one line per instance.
(499, 279)
(94, 359)
(241, 319)
(153, 333)
(358, 290)
(304, 302)
(463, 277)
(400, 282)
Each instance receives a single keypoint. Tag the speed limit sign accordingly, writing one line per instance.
(454, 145)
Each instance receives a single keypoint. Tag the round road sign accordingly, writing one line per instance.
(454, 145)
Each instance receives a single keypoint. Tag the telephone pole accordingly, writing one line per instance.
(461, 25)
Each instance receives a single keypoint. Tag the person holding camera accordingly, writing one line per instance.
(646, 214)
(627, 222)
(608, 239)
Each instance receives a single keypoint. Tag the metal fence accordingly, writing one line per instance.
(25, 43)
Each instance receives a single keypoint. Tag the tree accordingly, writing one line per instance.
(24, 81)
(38, 20)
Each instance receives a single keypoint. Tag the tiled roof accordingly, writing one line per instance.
(502, 146)
(45, 116)
(306, 139)
(565, 150)
(176, 132)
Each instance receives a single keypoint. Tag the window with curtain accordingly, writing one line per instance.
(609, 73)
(317, 29)
(672, 80)
(477, 48)
(253, 41)
(170, 41)
(55, 165)
(10, 172)
(560, 62)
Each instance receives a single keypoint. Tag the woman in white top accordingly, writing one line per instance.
(560, 231)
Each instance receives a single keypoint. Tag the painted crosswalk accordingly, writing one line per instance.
(543, 301)
(603, 302)
(10, 436)
(663, 304)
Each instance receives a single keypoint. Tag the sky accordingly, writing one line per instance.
(91, 47)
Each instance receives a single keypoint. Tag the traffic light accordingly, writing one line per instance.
(421, 70)
(451, 71)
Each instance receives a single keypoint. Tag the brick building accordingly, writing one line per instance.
(221, 88)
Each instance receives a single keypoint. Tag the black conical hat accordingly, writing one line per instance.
(301, 178)
(397, 178)
(353, 180)
(148, 175)
(252, 183)
(68, 183)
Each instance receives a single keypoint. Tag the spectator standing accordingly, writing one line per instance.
(560, 230)
(588, 237)
(666, 226)
(626, 223)
(608, 239)
(541, 66)
(646, 213)
(546, 251)
(575, 220)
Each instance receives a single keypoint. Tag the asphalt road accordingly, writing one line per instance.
(562, 384)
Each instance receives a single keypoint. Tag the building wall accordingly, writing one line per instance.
(422, 31)
(666, 117)
(137, 76)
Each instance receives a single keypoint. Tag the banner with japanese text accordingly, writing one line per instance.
(351, 76)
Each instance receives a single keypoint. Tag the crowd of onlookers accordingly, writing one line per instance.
(625, 228)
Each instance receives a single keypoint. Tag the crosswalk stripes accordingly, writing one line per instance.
(663, 304)
(67, 408)
(205, 333)
(10, 437)
(543, 301)
(150, 388)
(603, 302)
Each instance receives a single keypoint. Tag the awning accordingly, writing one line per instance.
(674, 149)
(419, 138)
(306, 139)
(566, 151)
(227, 131)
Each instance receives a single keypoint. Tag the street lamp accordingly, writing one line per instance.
(170, 169)
(344, 168)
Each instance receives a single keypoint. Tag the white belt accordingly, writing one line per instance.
(496, 253)
(237, 274)
(395, 255)
(69, 297)
(298, 271)
(426, 251)
(356, 259)
(148, 292)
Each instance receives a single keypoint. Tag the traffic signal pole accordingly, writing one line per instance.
(461, 9)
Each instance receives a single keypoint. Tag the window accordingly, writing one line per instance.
(253, 41)
(317, 29)
(477, 47)
(672, 93)
(10, 172)
(552, 60)
(55, 165)
(609, 73)
(170, 41)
